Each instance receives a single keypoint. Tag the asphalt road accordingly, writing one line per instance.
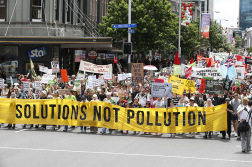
(39, 148)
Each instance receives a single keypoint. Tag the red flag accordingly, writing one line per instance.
(159, 80)
(239, 58)
(177, 60)
(115, 60)
(209, 64)
(202, 85)
(188, 72)
(191, 61)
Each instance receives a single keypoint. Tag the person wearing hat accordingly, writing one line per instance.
(246, 115)
(241, 107)
(69, 96)
(192, 104)
(229, 110)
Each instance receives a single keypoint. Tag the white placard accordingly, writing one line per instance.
(80, 76)
(122, 77)
(128, 75)
(96, 83)
(240, 72)
(43, 69)
(26, 86)
(93, 68)
(1, 83)
(101, 81)
(161, 90)
(55, 67)
(38, 85)
(49, 72)
(107, 76)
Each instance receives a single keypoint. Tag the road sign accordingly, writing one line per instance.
(124, 25)
(131, 31)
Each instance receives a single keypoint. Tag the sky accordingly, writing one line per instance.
(229, 10)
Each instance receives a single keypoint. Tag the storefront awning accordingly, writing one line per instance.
(65, 42)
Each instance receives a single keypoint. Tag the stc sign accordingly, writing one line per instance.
(38, 52)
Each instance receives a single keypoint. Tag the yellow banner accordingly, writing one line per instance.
(102, 114)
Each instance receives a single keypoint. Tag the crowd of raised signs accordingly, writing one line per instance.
(222, 78)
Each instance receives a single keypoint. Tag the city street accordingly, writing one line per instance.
(25, 147)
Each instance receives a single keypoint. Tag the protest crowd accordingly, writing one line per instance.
(221, 78)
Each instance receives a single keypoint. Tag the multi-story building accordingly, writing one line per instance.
(245, 14)
(59, 30)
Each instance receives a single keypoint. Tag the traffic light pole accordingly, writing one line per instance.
(129, 37)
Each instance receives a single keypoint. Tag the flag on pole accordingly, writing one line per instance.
(191, 61)
(115, 60)
(177, 60)
(33, 73)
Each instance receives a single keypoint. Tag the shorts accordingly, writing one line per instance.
(234, 117)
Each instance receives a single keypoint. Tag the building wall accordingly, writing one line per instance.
(68, 18)
(245, 14)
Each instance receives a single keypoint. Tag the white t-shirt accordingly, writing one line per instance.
(194, 105)
(159, 104)
(245, 115)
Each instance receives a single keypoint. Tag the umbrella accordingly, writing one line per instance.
(239, 80)
(150, 68)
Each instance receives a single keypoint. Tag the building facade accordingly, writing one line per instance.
(245, 14)
(67, 30)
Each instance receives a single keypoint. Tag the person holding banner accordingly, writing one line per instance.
(71, 97)
(230, 111)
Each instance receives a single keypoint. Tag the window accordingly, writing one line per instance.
(78, 11)
(68, 11)
(37, 10)
(2, 10)
(56, 9)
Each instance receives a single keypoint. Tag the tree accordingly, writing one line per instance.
(216, 39)
(156, 25)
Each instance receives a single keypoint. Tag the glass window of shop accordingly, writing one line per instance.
(8, 62)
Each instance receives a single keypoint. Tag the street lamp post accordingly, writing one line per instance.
(179, 48)
(129, 36)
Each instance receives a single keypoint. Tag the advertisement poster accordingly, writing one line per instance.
(205, 24)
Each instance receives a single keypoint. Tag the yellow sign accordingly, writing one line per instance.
(189, 85)
(102, 114)
(178, 85)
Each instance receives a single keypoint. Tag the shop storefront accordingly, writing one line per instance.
(15, 53)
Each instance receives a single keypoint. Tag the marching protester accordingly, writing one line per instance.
(192, 93)
(244, 115)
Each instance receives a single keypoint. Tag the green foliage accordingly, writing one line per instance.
(156, 25)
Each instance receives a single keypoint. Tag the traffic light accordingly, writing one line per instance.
(127, 48)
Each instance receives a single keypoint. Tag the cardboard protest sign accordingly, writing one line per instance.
(77, 83)
(62, 91)
(26, 86)
(38, 85)
(55, 67)
(177, 85)
(107, 76)
(206, 72)
(121, 77)
(93, 68)
(240, 72)
(49, 72)
(161, 90)
(1, 83)
(64, 75)
(248, 60)
(80, 76)
(137, 73)
(159, 80)
(189, 85)
(43, 69)
(176, 69)
(213, 86)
